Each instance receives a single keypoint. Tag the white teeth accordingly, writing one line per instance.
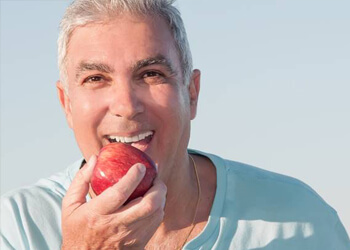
(135, 138)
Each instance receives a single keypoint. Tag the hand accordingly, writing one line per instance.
(104, 222)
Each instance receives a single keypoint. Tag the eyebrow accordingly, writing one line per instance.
(90, 66)
(157, 60)
(105, 68)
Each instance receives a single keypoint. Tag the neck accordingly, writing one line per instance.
(178, 227)
(182, 195)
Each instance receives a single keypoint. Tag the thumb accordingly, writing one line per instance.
(77, 191)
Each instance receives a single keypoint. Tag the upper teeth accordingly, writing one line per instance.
(135, 138)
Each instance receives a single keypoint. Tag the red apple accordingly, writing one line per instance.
(114, 161)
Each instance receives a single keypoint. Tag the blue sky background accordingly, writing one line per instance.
(275, 89)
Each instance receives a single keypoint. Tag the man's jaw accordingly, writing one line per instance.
(140, 140)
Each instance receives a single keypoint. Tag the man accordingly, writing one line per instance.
(126, 75)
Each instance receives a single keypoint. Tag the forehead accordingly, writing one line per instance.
(122, 41)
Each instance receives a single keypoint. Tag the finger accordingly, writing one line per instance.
(154, 200)
(77, 191)
(115, 196)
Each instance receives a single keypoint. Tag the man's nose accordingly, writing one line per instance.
(125, 100)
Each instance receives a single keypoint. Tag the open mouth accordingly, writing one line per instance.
(140, 141)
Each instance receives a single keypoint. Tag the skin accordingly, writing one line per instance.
(112, 91)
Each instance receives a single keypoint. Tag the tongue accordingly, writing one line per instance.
(142, 144)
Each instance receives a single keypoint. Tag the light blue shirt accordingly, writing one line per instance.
(252, 209)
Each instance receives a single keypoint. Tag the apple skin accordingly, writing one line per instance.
(114, 161)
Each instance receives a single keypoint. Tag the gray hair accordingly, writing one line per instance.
(83, 12)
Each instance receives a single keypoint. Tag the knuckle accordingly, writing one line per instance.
(158, 216)
(123, 195)
(149, 207)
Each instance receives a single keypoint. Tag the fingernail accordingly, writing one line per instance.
(163, 204)
(141, 168)
(92, 160)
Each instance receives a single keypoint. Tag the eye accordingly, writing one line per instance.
(153, 77)
(152, 74)
(93, 79)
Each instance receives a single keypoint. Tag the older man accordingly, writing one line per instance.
(126, 75)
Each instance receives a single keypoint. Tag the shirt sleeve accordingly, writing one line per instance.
(4, 244)
(12, 231)
(341, 238)
(31, 219)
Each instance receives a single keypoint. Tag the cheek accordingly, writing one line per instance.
(171, 107)
(87, 111)
(169, 98)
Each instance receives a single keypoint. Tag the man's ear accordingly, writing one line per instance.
(194, 88)
(65, 102)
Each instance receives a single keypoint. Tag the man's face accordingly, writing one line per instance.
(125, 84)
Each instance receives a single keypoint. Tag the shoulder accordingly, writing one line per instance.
(251, 181)
(270, 207)
(275, 194)
(273, 186)
(30, 215)
(53, 187)
(253, 192)
(281, 205)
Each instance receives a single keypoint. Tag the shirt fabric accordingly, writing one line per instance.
(253, 209)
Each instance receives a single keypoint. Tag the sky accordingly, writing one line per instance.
(274, 92)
